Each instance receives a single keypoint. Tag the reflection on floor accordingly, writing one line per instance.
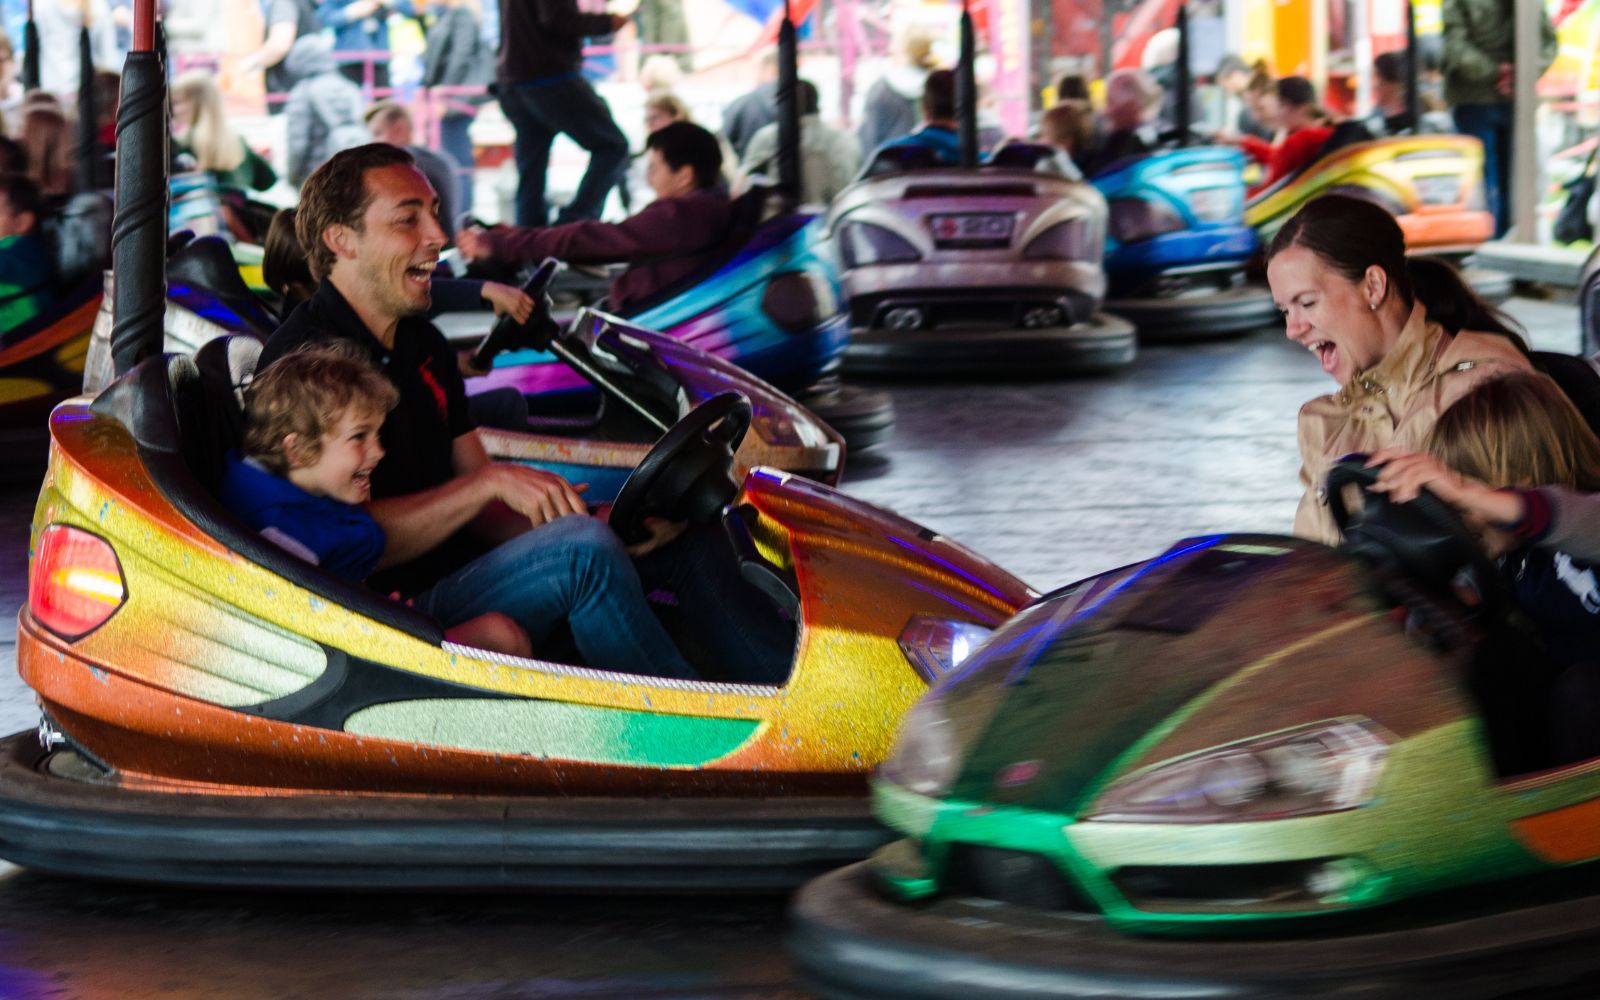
(1051, 480)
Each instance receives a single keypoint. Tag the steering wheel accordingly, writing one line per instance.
(1424, 539)
(688, 475)
(537, 332)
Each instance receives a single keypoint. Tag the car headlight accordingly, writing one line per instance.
(1072, 240)
(937, 646)
(1322, 768)
(925, 757)
(862, 243)
(1135, 219)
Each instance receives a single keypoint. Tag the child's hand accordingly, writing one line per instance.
(508, 301)
(1405, 474)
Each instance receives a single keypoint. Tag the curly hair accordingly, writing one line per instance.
(305, 393)
(336, 194)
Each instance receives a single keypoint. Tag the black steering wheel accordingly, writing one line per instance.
(688, 475)
(1424, 539)
(536, 333)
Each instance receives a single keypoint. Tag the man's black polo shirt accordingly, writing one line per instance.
(418, 434)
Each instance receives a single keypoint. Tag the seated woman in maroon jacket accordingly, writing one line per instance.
(1304, 129)
(671, 238)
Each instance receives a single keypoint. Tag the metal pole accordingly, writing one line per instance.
(788, 108)
(1181, 79)
(30, 52)
(139, 232)
(967, 92)
(1413, 70)
(1525, 109)
(88, 115)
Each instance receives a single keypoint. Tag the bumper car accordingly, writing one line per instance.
(1432, 184)
(1177, 247)
(42, 357)
(219, 712)
(1589, 304)
(986, 270)
(641, 382)
(1253, 766)
(767, 302)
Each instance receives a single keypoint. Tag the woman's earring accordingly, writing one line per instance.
(1373, 306)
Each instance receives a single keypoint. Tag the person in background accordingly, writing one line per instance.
(48, 142)
(360, 26)
(457, 56)
(10, 85)
(891, 108)
(750, 113)
(287, 22)
(1069, 126)
(200, 127)
(390, 122)
(1390, 114)
(324, 109)
(60, 22)
(26, 278)
(1304, 131)
(1230, 112)
(1072, 86)
(1480, 85)
(829, 157)
(13, 157)
(665, 242)
(1132, 99)
(543, 95)
(661, 22)
(940, 131)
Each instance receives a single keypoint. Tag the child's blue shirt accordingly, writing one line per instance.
(342, 538)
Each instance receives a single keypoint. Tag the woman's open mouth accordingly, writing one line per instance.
(1327, 352)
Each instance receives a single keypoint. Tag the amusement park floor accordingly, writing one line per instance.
(1053, 480)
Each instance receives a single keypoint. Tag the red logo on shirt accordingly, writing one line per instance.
(440, 400)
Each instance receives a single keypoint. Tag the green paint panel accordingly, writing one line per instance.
(557, 730)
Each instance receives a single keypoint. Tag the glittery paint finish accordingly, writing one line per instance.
(1390, 170)
(1252, 665)
(156, 690)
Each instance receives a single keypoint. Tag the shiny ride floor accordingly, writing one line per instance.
(1052, 480)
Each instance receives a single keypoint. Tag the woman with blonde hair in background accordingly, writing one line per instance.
(200, 127)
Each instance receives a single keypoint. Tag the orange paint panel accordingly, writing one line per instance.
(1562, 836)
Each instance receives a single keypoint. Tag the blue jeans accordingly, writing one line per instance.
(454, 139)
(540, 112)
(1491, 125)
(575, 569)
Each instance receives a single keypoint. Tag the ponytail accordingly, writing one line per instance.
(1454, 305)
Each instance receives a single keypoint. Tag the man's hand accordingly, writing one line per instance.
(473, 242)
(508, 301)
(661, 530)
(539, 496)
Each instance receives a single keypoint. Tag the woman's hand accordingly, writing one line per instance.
(508, 301)
(1406, 473)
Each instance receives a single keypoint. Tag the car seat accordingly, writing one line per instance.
(899, 159)
(1589, 304)
(202, 273)
(1032, 156)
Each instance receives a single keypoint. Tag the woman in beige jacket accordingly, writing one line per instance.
(1402, 339)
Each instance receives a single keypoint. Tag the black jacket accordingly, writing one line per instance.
(540, 39)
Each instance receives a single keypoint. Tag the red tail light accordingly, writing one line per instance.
(75, 583)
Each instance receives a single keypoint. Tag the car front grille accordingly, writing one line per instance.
(1018, 878)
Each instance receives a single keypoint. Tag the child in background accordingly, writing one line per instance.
(310, 445)
(1517, 460)
(26, 277)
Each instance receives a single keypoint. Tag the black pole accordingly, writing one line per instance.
(1413, 70)
(967, 92)
(788, 109)
(30, 52)
(139, 233)
(88, 115)
(1181, 80)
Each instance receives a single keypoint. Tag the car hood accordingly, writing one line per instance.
(1218, 640)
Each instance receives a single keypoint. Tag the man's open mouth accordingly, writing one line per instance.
(422, 273)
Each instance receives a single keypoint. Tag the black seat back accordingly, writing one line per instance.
(1577, 377)
(899, 159)
(206, 264)
(1033, 156)
(78, 237)
(1589, 304)
(226, 366)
